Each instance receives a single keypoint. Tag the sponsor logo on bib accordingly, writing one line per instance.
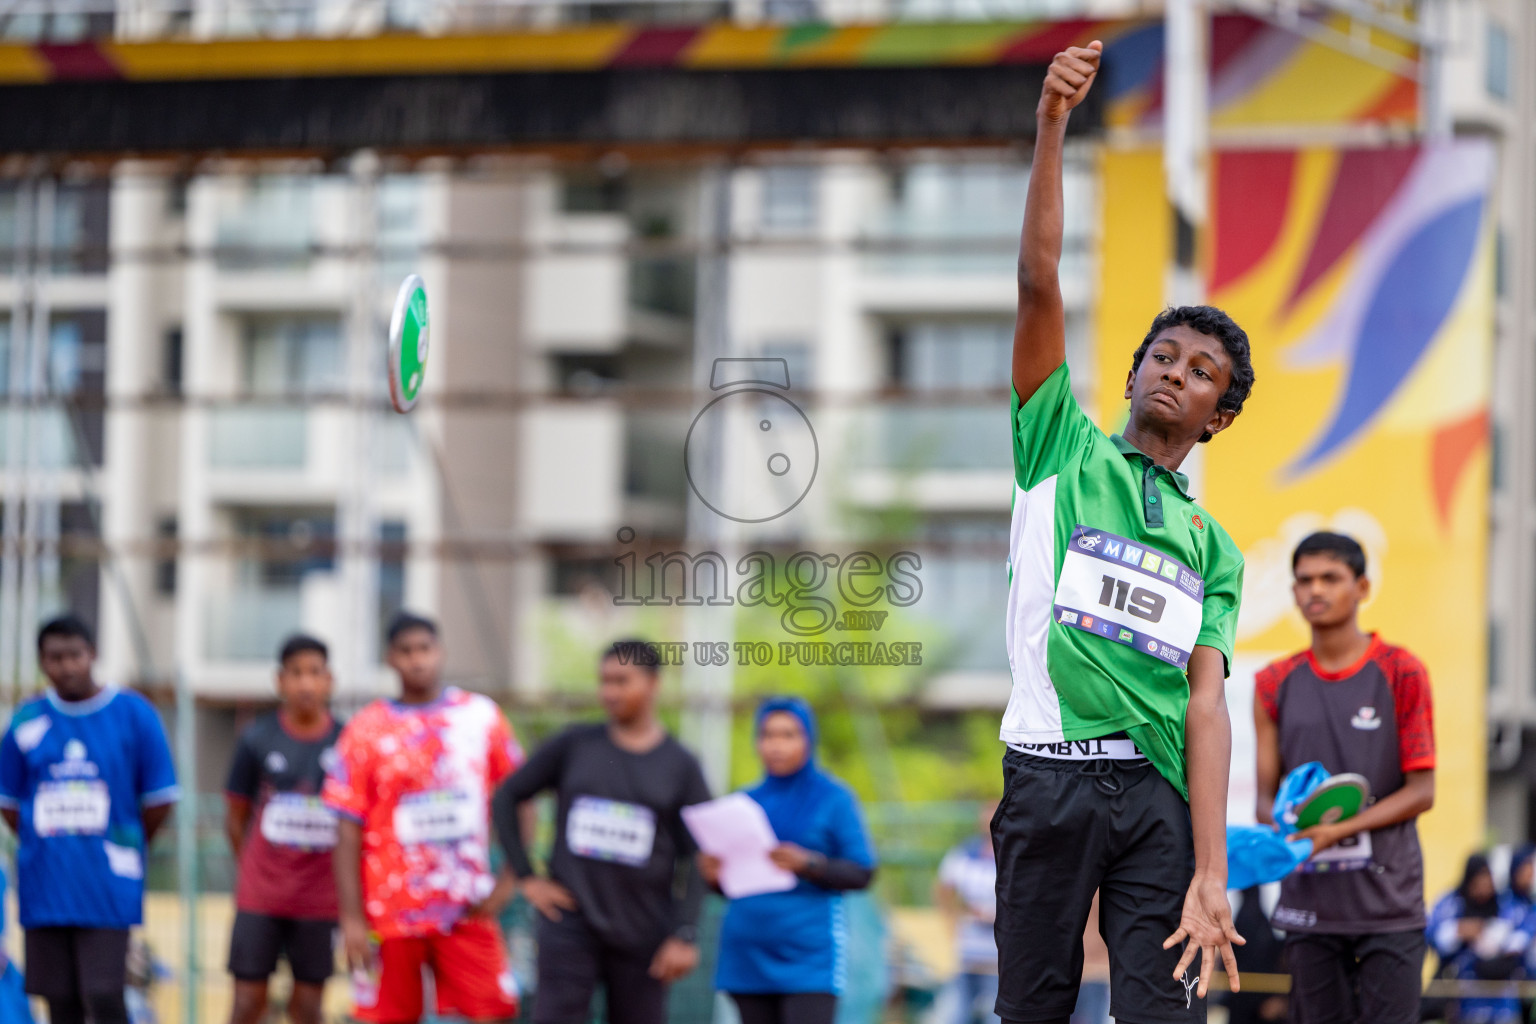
(75, 764)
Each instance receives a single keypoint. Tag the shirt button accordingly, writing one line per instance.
(1151, 499)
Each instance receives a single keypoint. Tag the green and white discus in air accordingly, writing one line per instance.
(409, 336)
(1339, 798)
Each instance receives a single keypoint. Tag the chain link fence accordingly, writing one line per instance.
(186, 935)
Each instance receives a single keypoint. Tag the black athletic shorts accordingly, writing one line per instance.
(74, 964)
(1339, 979)
(574, 961)
(258, 940)
(1066, 829)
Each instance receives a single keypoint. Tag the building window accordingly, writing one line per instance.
(789, 198)
(293, 356)
(1497, 68)
(586, 373)
(797, 355)
(81, 213)
(165, 560)
(955, 355)
(965, 590)
(77, 369)
(267, 221)
(289, 544)
(392, 551)
(592, 192)
(399, 235)
(171, 361)
(574, 575)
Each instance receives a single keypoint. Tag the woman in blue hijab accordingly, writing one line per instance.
(781, 954)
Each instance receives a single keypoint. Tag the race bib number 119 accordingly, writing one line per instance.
(1131, 594)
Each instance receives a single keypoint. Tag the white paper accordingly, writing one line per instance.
(735, 829)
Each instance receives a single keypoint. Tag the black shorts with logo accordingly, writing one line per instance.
(1066, 829)
(258, 940)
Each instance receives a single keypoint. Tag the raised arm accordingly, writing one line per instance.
(1039, 334)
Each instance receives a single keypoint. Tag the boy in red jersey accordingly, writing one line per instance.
(412, 789)
(1354, 913)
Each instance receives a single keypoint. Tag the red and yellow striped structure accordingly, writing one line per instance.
(1261, 74)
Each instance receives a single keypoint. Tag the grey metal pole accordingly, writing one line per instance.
(1186, 152)
(707, 689)
(35, 419)
(1186, 139)
(10, 555)
(358, 525)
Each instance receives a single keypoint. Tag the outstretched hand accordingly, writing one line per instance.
(1070, 77)
(1205, 927)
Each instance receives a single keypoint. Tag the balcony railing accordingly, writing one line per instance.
(249, 624)
(268, 227)
(257, 437)
(918, 436)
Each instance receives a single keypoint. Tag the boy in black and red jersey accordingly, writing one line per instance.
(1354, 913)
(283, 836)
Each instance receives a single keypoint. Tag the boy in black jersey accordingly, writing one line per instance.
(282, 835)
(619, 904)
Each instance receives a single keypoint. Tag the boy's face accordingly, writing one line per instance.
(626, 691)
(304, 684)
(1175, 390)
(417, 658)
(67, 661)
(1327, 591)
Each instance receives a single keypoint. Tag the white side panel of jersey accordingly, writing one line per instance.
(1034, 712)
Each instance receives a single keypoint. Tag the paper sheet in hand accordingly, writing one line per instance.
(735, 829)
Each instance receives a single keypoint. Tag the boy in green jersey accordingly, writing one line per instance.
(1123, 598)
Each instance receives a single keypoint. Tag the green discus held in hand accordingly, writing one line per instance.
(409, 335)
(1341, 797)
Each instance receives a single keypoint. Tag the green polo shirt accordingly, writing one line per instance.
(1115, 576)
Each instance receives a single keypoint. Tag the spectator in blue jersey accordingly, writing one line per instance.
(85, 781)
(1477, 936)
(14, 1008)
(782, 957)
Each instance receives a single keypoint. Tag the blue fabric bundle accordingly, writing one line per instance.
(1257, 854)
(1300, 783)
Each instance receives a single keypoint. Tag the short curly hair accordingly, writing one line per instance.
(1217, 324)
